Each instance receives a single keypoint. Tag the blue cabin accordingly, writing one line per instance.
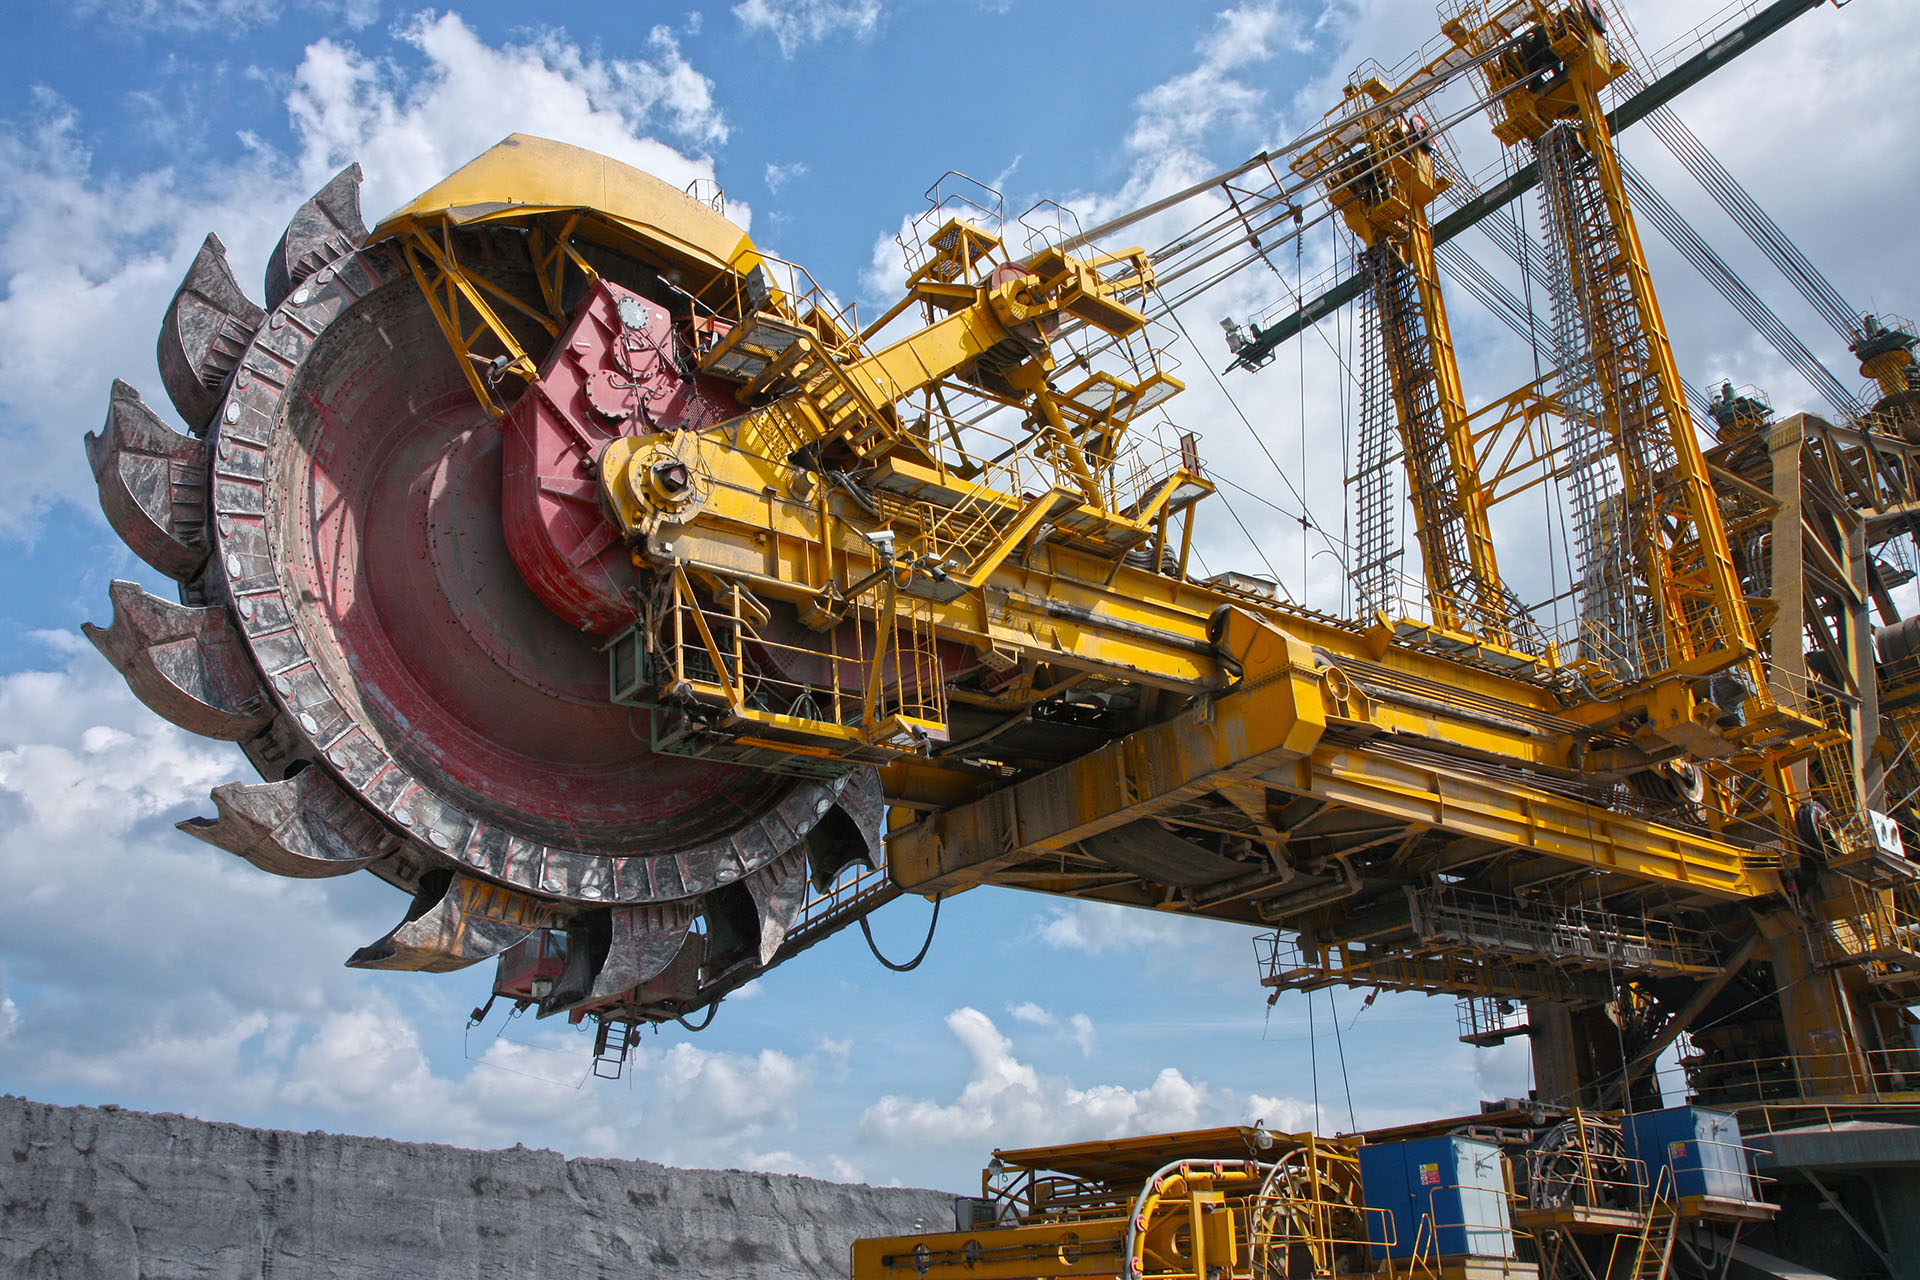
(1702, 1148)
(1458, 1186)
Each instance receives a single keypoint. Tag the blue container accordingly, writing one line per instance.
(1701, 1147)
(1457, 1187)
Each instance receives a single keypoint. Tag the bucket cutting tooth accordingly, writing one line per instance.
(851, 831)
(747, 921)
(455, 921)
(185, 663)
(326, 228)
(306, 826)
(778, 889)
(645, 941)
(153, 484)
(206, 331)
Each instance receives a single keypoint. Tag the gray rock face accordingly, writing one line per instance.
(88, 1192)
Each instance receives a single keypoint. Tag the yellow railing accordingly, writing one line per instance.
(873, 676)
(1797, 1082)
(789, 291)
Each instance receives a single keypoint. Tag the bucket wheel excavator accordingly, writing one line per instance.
(596, 579)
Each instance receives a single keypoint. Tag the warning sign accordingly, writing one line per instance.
(1430, 1175)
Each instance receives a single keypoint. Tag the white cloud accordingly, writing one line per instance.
(729, 1092)
(1095, 927)
(1007, 1102)
(793, 24)
(1285, 1115)
(220, 17)
(112, 917)
(1177, 113)
(224, 986)
(779, 175)
(1076, 1029)
(1504, 1070)
(1079, 1029)
(685, 1104)
(411, 132)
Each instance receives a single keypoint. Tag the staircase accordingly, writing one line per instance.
(808, 395)
(1652, 1248)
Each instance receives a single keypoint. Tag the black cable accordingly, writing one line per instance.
(712, 1009)
(1345, 1082)
(1277, 579)
(1739, 205)
(914, 963)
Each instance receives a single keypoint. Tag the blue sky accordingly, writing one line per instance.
(140, 967)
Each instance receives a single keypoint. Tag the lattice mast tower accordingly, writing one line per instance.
(1378, 168)
(1660, 599)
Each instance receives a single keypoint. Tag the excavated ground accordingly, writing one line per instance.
(88, 1192)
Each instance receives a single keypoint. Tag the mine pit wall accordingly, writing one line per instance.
(101, 1192)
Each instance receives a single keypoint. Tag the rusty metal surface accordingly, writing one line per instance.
(207, 326)
(185, 663)
(324, 229)
(645, 941)
(153, 484)
(472, 921)
(616, 371)
(779, 890)
(305, 826)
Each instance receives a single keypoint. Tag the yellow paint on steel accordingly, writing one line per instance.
(1273, 716)
(1520, 818)
(524, 176)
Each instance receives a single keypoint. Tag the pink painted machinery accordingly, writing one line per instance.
(397, 598)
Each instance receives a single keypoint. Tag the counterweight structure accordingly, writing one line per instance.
(596, 579)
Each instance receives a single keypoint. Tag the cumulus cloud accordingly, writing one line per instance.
(1028, 1011)
(224, 988)
(687, 1105)
(114, 918)
(794, 24)
(225, 992)
(1177, 113)
(411, 130)
(1007, 1102)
